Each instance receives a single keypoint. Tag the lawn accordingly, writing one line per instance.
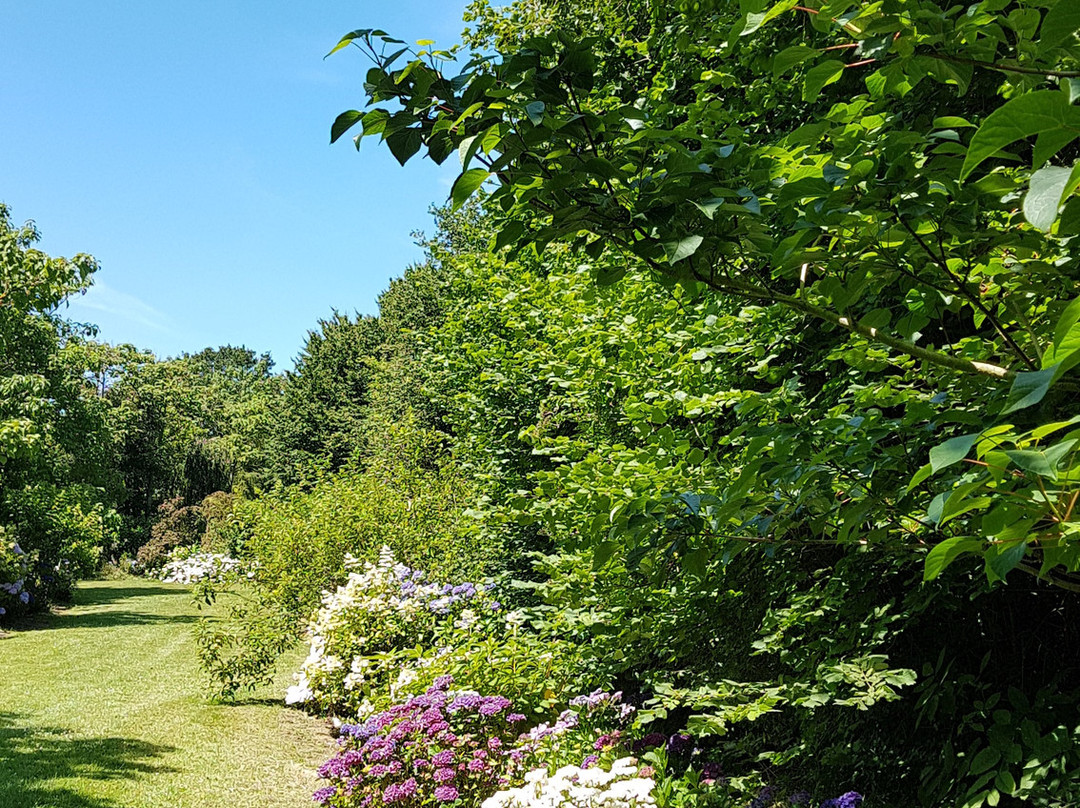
(101, 706)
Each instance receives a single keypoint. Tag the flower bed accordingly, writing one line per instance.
(382, 607)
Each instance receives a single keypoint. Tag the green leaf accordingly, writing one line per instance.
(1060, 23)
(951, 451)
(1044, 462)
(820, 76)
(683, 248)
(466, 149)
(607, 275)
(789, 57)
(984, 760)
(344, 122)
(709, 206)
(466, 184)
(509, 234)
(405, 144)
(346, 40)
(1065, 349)
(1005, 561)
(375, 121)
(1019, 118)
(1042, 202)
(535, 111)
(943, 554)
(919, 477)
(603, 553)
(1028, 389)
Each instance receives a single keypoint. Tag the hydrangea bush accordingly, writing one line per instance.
(362, 628)
(438, 747)
(14, 566)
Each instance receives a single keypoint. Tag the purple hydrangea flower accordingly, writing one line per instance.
(763, 799)
(493, 705)
(851, 799)
(443, 775)
(679, 744)
(650, 741)
(443, 758)
(446, 793)
(323, 794)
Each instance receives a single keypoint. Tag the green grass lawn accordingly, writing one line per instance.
(102, 706)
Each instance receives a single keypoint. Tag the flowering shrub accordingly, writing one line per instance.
(380, 609)
(186, 566)
(593, 727)
(623, 786)
(440, 747)
(13, 570)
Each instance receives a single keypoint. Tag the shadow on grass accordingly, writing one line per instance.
(121, 590)
(33, 758)
(110, 620)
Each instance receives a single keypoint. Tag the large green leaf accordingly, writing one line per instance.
(789, 57)
(943, 554)
(820, 76)
(466, 184)
(1043, 200)
(1065, 350)
(1021, 117)
(1029, 388)
(1061, 22)
(951, 451)
(1007, 559)
(682, 248)
(344, 122)
(405, 144)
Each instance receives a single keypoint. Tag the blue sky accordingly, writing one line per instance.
(186, 146)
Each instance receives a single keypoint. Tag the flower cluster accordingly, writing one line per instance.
(850, 800)
(13, 567)
(440, 746)
(579, 735)
(381, 607)
(623, 786)
(185, 568)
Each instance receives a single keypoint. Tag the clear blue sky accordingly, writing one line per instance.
(186, 146)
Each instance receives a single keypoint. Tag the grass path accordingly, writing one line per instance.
(101, 706)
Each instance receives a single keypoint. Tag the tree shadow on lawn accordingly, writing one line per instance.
(31, 757)
(120, 590)
(108, 620)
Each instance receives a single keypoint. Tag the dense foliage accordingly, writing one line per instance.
(814, 325)
(740, 376)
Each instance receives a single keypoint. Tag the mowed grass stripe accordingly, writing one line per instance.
(101, 706)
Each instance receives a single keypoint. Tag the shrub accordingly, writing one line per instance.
(380, 608)
(64, 531)
(177, 525)
(14, 567)
(220, 534)
(438, 747)
(296, 542)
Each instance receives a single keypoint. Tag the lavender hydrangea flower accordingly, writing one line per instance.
(763, 799)
(851, 799)
(446, 793)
